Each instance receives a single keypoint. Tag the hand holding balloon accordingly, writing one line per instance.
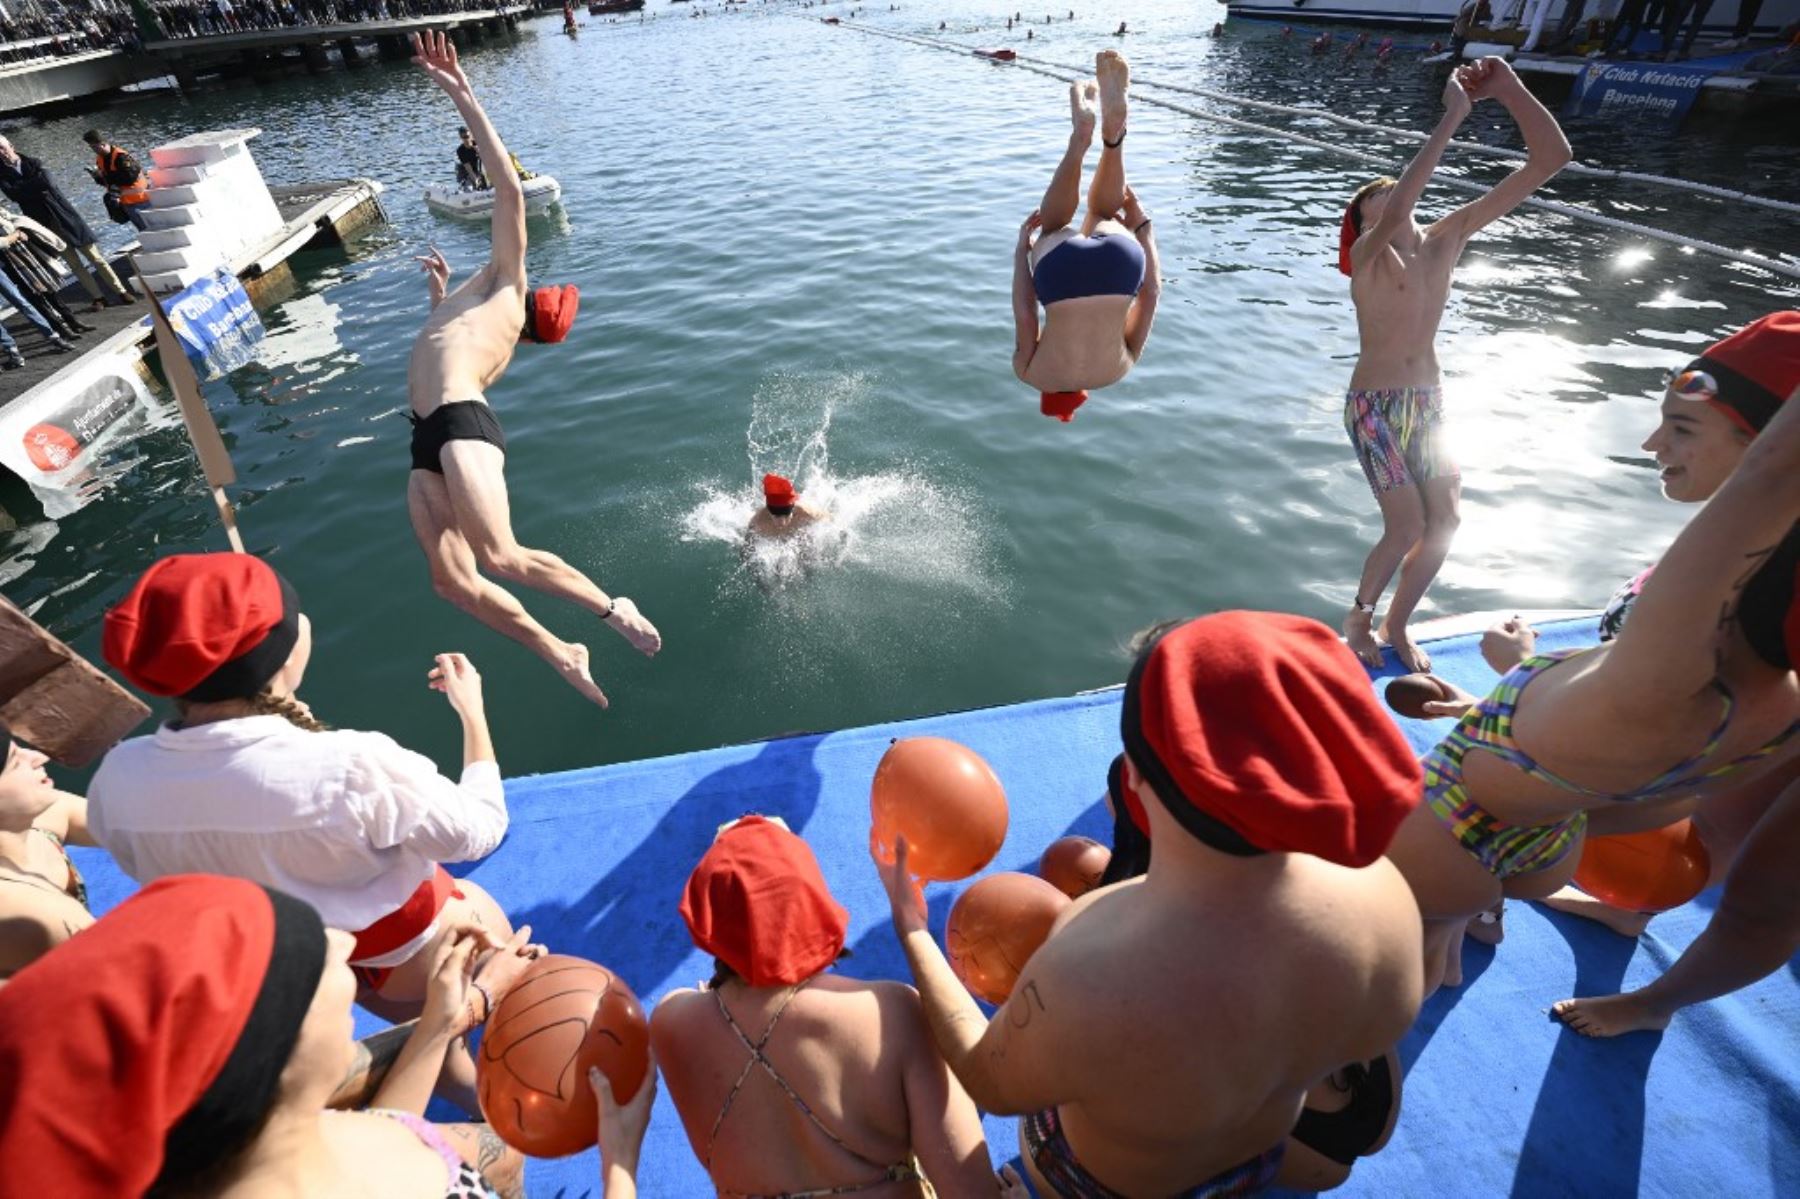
(905, 897)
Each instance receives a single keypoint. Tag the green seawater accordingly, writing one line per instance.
(793, 243)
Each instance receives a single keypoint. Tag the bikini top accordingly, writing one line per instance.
(900, 1172)
(1489, 727)
(76, 888)
(463, 1180)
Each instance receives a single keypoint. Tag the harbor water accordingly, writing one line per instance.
(793, 245)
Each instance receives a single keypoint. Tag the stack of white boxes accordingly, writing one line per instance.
(208, 203)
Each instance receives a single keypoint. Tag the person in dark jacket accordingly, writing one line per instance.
(24, 181)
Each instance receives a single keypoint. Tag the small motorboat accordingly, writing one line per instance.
(541, 192)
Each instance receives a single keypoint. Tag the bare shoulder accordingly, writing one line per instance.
(674, 1010)
(33, 921)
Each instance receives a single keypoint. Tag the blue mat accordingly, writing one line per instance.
(1499, 1099)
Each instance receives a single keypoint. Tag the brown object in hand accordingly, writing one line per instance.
(1409, 694)
(1073, 865)
(994, 928)
(562, 1016)
(55, 700)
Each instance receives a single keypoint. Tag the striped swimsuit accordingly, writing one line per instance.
(1509, 850)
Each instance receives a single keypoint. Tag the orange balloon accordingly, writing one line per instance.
(1073, 865)
(1651, 871)
(562, 1016)
(945, 800)
(995, 926)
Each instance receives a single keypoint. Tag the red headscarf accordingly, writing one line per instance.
(1259, 732)
(1061, 404)
(1347, 236)
(779, 492)
(550, 313)
(205, 627)
(109, 1042)
(1756, 368)
(758, 903)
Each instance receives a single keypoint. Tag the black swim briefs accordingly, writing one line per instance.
(463, 420)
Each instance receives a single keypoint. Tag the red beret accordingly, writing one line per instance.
(112, 1040)
(1061, 404)
(550, 312)
(1347, 235)
(758, 903)
(1259, 732)
(205, 627)
(1756, 369)
(779, 492)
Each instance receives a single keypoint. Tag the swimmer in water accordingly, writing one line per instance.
(456, 493)
(783, 513)
(1099, 283)
(1400, 281)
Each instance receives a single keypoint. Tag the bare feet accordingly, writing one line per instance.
(1610, 1015)
(1084, 98)
(1115, 80)
(1489, 927)
(630, 624)
(1359, 633)
(574, 670)
(1577, 902)
(1411, 656)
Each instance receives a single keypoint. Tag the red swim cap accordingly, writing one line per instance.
(205, 627)
(779, 492)
(1756, 369)
(550, 313)
(1061, 404)
(1347, 236)
(758, 903)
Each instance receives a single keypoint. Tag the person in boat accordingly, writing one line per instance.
(43, 900)
(1099, 282)
(186, 1044)
(783, 513)
(1262, 815)
(791, 1080)
(456, 492)
(1400, 278)
(471, 175)
(1695, 695)
(246, 781)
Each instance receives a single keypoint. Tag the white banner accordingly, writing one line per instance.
(52, 435)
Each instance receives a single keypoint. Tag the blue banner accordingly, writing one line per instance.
(216, 323)
(1640, 89)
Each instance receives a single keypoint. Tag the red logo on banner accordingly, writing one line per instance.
(50, 448)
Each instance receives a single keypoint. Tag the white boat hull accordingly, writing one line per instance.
(1441, 14)
(541, 192)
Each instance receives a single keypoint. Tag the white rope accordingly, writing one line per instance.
(1748, 257)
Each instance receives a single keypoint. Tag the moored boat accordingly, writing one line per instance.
(541, 191)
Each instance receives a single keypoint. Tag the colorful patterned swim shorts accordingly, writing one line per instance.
(1398, 433)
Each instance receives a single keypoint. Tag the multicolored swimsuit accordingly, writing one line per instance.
(1509, 850)
(1398, 435)
(1048, 1146)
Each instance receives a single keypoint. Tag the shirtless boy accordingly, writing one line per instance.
(783, 513)
(1163, 1039)
(456, 493)
(1099, 285)
(1394, 411)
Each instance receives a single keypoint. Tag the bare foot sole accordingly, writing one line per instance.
(1360, 636)
(630, 624)
(1580, 903)
(1489, 927)
(1084, 97)
(1115, 82)
(1411, 656)
(1609, 1015)
(574, 670)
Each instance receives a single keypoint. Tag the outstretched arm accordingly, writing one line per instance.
(1548, 149)
(436, 55)
(1024, 299)
(1417, 174)
(1143, 310)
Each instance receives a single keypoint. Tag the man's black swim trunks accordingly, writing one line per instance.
(464, 420)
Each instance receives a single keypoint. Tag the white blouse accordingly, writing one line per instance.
(349, 821)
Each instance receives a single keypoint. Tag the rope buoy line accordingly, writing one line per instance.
(1747, 257)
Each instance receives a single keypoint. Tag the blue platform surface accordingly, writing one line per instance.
(1499, 1099)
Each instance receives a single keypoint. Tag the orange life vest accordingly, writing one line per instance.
(135, 192)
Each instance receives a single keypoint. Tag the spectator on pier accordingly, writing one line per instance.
(127, 188)
(26, 252)
(25, 182)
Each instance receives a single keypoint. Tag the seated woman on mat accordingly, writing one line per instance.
(1099, 286)
(1696, 694)
(245, 782)
(791, 1081)
(185, 1046)
(43, 901)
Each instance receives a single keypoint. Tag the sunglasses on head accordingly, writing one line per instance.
(1691, 385)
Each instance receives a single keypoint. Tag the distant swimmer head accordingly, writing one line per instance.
(1258, 732)
(550, 313)
(779, 495)
(1364, 210)
(1061, 404)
